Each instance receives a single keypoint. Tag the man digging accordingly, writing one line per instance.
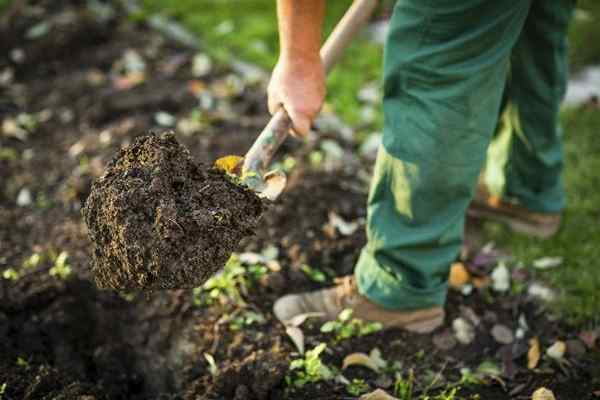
(447, 66)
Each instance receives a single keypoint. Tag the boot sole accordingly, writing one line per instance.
(516, 225)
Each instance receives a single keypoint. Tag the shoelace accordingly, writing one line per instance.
(346, 290)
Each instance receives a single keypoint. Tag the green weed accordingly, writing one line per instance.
(309, 369)
(61, 268)
(230, 285)
(357, 387)
(345, 327)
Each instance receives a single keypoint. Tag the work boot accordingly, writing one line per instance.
(330, 302)
(515, 216)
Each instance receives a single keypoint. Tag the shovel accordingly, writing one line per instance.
(254, 166)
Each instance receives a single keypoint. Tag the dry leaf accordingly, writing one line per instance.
(228, 164)
(543, 394)
(360, 359)
(344, 227)
(557, 350)
(196, 87)
(481, 282)
(547, 262)
(501, 278)
(297, 337)
(458, 275)
(378, 394)
(463, 331)
(539, 291)
(533, 355)
(502, 334)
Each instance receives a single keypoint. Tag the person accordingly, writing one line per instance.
(448, 65)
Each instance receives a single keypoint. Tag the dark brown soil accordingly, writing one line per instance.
(63, 338)
(160, 221)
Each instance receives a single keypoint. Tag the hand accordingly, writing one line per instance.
(299, 86)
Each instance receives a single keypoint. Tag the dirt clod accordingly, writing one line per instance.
(160, 221)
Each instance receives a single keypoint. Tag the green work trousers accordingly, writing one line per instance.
(447, 66)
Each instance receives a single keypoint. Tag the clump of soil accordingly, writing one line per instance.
(158, 220)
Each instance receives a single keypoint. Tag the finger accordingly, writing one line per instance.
(300, 123)
(273, 103)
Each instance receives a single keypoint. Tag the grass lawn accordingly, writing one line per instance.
(248, 30)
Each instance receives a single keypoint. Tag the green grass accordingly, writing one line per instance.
(253, 37)
(584, 34)
(578, 240)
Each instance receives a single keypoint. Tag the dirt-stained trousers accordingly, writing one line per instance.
(447, 66)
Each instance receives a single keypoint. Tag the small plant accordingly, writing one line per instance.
(357, 387)
(11, 274)
(309, 369)
(2, 390)
(212, 365)
(247, 318)
(346, 327)
(23, 363)
(403, 387)
(61, 268)
(230, 284)
(314, 274)
(33, 260)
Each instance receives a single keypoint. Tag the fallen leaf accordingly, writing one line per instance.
(297, 337)
(543, 394)
(228, 164)
(196, 87)
(361, 359)
(547, 262)
(165, 119)
(201, 65)
(24, 198)
(533, 355)
(459, 275)
(541, 292)
(378, 394)
(501, 278)
(375, 356)
(344, 227)
(463, 331)
(502, 334)
(481, 282)
(557, 350)
(467, 289)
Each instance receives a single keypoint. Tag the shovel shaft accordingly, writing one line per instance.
(274, 134)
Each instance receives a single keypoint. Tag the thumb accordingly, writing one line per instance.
(300, 123)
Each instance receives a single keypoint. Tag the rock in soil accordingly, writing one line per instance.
(158, 220)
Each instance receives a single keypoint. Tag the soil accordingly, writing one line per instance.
(61, 337)
(160, 221)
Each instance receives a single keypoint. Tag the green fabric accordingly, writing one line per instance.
(446, 67)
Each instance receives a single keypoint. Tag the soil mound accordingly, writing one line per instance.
(158, 220)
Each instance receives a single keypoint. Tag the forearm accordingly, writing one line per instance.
(300, 28)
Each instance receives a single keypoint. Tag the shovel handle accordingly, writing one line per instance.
(274, 134)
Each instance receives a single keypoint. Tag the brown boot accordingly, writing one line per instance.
(330, 302)
(516, 217)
